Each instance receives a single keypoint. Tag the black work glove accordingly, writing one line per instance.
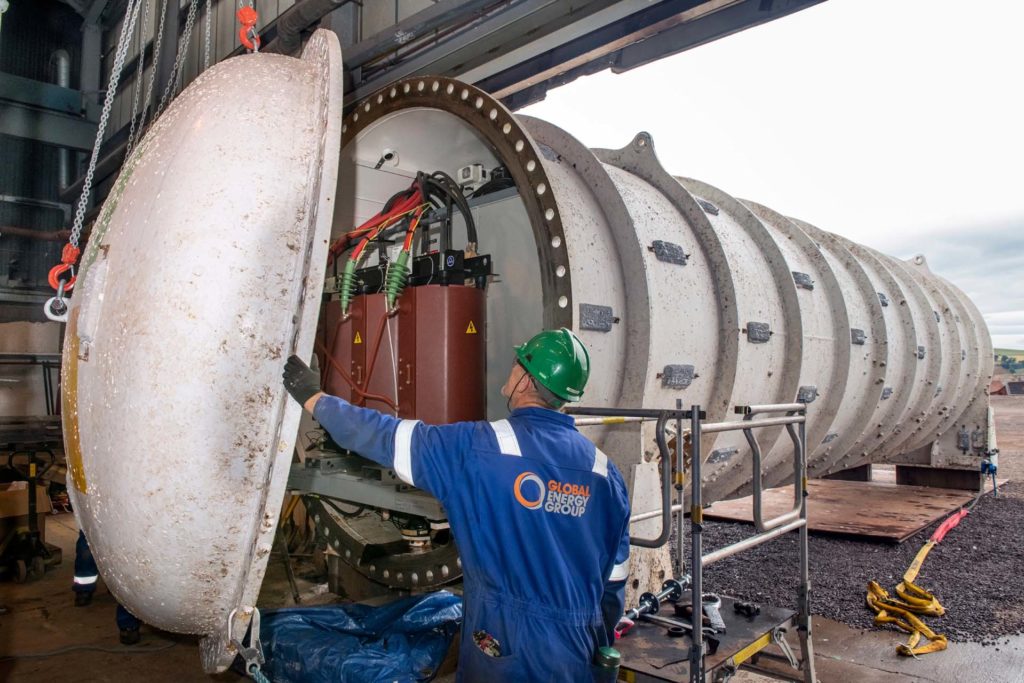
(300, 380)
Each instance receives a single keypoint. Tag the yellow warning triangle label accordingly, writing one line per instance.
(471, 329)
(358, 339)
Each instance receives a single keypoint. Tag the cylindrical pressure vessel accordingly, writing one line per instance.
(205, 270)
(682, 291)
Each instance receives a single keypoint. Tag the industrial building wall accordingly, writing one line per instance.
(28, 168)
(21, 386)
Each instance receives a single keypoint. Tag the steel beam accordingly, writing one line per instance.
(732, 19)
(660, 30)
(438, 16)
(600, 46)
(498, 33)
(362, 491)
(32, 93)
(49, 127)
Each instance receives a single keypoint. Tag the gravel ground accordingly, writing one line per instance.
(974, 572)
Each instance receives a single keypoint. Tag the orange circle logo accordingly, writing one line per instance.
(517, 488)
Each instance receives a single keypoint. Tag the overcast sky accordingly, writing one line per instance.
(897, 123)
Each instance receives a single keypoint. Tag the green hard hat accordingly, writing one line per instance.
(558, 361)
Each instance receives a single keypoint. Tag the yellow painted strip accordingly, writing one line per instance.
(628, 676)
(69, 406)
(696, 514)
(752, 649)
(613, 420)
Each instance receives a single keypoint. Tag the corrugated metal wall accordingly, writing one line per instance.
(29, 169)
(24, 262)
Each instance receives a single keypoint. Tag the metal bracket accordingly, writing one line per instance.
(807, 394)
(597, 318)
(677, 376)
(722, 454)
(857, 336)
(886, 393)
(779, 637)
(669, 252)
(938, 318)
(803, 280)
(883, 299)
(963, 439)
(708, 206)
(920, 353)
(830, 437)
(253, 654)
(758, 333)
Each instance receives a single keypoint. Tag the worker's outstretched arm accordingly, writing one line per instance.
(424, 456)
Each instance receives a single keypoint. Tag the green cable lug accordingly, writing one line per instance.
(347, 289)
(398, 272)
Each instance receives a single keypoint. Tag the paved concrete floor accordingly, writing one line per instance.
(42, 617)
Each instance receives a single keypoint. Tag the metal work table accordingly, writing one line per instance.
(650, 654)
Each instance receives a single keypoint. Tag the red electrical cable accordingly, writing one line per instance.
(401, 207)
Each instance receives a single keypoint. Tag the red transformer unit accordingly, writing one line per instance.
(428, 359)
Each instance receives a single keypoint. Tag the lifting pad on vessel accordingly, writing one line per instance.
(853, 509)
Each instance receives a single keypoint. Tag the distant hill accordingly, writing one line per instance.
(1009, 361)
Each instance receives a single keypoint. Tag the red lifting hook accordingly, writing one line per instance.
(247, 17)
(67, 257)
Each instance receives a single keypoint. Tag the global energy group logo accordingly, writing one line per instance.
(561, 498)
(526, 501)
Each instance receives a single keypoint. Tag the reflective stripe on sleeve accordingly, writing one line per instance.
(403, 450)
(600, 463)
(86, 580)
(508, 444)
(620, 572)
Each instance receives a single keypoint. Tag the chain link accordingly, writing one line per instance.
(206, 41)
(140, 72)
(190, 21)
(156, 60)
(127, 26)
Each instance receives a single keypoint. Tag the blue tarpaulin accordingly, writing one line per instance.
(405, 640)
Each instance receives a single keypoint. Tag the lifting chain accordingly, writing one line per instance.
(186, 36)
(206, 37)
(62, 276)
(137, 86)
(157, 47)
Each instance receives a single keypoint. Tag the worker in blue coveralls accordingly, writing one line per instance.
(540, 514)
